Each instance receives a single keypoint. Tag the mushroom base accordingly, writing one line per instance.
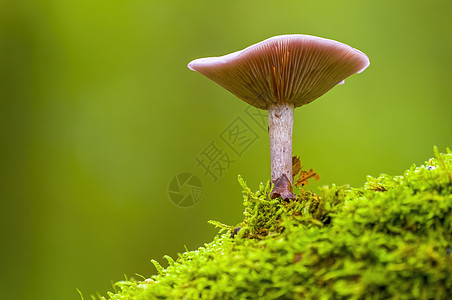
(280, 127)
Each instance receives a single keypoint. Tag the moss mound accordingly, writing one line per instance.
(389, 239)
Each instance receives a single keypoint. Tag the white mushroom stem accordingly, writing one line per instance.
(280, 127)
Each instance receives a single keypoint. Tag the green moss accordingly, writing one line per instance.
(389, 239)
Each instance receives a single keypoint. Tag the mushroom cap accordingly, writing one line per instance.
(292, 68)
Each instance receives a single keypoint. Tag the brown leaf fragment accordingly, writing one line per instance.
(297, 257)
(296, 166)
(282, 188)
(305, 176)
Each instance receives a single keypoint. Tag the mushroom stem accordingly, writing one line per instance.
(280, 127)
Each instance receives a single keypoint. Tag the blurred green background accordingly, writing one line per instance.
(99, 113)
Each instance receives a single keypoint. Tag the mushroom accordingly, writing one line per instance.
(279, 74)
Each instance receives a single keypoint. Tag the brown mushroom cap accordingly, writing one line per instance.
(283, 69)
